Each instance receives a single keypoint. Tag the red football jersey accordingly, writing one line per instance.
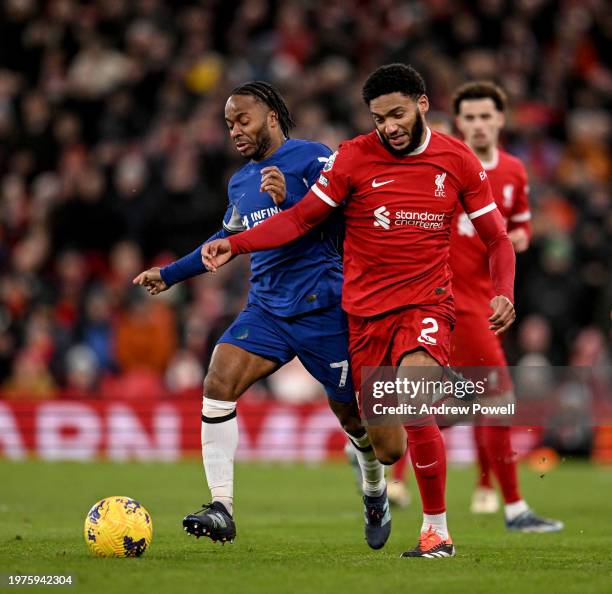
(398, 212)
(469, 262)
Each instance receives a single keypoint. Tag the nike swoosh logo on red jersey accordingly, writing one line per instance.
(376, 184)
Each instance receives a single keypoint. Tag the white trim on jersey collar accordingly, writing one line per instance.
(421, 148)
(321, 194)
(417, 151)
(481, 211)
(493, 163)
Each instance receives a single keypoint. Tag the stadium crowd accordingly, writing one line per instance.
(114, 156)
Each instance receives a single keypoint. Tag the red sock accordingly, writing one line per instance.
(503, 460)
(399, 468)
(482, 460)
(429, 462)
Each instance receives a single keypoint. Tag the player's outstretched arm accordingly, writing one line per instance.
(156, 280)
(491, 229)
(191, 265)
(274, 232)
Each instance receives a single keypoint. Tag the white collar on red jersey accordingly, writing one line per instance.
(418, 150)
(492, 164)
(421, 148)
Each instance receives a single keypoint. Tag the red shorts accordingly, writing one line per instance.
(474, 345)
(383, 340)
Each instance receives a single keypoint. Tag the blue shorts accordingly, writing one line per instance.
(319, 339)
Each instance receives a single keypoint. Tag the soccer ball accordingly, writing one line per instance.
(118, 527)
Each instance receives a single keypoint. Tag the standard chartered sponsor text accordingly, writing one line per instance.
(426, 220)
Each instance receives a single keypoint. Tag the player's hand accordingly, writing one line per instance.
(519, 239)
(503, 314)
(273, 182)
(151, 280)
(216, 253)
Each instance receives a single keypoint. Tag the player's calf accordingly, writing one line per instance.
(347, 414)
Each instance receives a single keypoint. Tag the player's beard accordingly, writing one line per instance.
(262, 143)
(416, 133)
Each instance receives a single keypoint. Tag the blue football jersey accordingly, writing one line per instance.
(306, 274)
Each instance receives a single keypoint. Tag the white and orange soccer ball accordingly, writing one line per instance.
(118, 527)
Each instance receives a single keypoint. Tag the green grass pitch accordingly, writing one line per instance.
(300, 531)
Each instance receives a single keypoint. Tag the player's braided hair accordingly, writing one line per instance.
(480, 89)
(393, 78)
(266, 93)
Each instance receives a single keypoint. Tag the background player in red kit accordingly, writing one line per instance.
(479, 109)
(400, 186)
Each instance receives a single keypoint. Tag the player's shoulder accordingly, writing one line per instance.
(239, 179)
(445, 142)
(239, 173)
(451, 150)
(361, 144)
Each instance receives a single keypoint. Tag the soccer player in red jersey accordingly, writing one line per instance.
(479, 110)
(399, 186)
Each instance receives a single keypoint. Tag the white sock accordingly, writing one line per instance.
(372, 471)
(219, 443)
(437, 522)
(513, 510)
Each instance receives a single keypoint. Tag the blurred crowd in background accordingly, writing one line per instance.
(114, 157)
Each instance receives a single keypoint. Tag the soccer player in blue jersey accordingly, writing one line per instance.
(293, 308)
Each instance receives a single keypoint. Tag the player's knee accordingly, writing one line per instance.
(347, 414)
(386, 457)
(389, 446)
(389, 454)
(352, 425)
(218, 388)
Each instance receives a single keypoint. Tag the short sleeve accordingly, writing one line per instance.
(476, 195)
(317, 158)
(333, 183)
(520, 214)
(232, 221)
